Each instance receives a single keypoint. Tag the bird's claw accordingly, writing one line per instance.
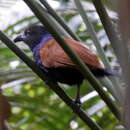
(78, 102)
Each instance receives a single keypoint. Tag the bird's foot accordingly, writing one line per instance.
(47, 82)
(78, 102)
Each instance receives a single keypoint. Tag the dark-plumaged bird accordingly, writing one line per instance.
(52, 59)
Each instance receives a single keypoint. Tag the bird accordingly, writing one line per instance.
(54, 61)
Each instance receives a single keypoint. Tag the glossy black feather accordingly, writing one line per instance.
(73, 76)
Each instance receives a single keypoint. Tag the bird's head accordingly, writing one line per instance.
(32, 36)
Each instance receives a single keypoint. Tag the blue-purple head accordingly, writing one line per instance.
(32, 36)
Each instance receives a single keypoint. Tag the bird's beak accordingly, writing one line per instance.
(20, 38)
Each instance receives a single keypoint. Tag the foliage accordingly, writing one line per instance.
(34, 106)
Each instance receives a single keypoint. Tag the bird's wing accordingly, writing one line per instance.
(52, 55)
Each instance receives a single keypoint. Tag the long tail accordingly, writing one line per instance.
(103, 72)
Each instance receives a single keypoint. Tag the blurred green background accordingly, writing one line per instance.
(33, 105)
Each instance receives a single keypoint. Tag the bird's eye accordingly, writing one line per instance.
(28, 32)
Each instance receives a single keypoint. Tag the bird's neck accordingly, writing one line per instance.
(46, 36)
(36, 49)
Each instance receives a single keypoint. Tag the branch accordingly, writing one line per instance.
(5, 111)
(124, 25)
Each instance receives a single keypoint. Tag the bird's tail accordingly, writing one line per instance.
(103, 72)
